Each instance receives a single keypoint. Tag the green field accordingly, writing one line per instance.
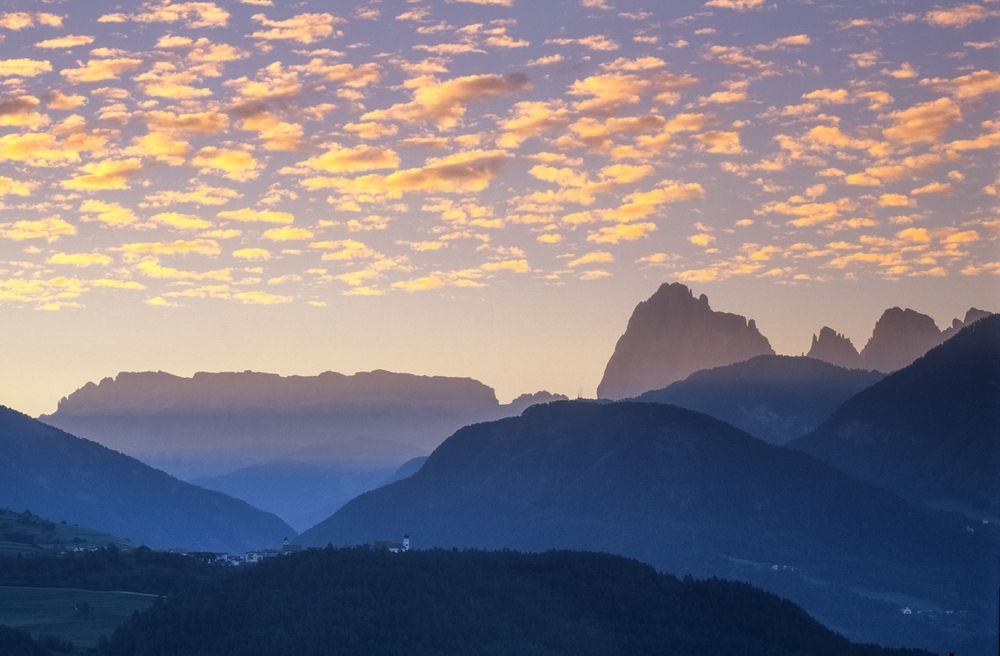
(27, 533)
(53, 611)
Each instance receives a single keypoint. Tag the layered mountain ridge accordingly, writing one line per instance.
(681, 491)
(930, 431)
(211, 424)
(64, 477)
(775, 398)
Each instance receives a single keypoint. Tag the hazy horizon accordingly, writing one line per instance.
(509, 360)
(473, 189)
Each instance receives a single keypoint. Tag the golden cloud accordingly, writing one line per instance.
(80, 259)
(179, 247)
(621, 232)
(50, 229)
(23, 67)
(255, 254)
(303, 28)
(180, 221)
(957, 16)
(287, 234)
(738, 5)
(11, 187)
(596, 257)
(109, 174)
(340, 159)
(152, 268)
(193, 14)
(98, 70)
(18, 20)
(108, 213)
(227, 162)
(248, 215)
(721, 142)
(68, 41)
(468, 171)
(924, 122)
(444, 102)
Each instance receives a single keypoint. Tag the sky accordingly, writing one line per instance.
(480, 188)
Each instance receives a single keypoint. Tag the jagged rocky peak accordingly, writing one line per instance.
(971, 316)
(900, 337)
(974, 315)
(673, 334)
(534, 398)
(830, 346)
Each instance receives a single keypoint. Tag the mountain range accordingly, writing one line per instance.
(212, 424)
(931, 431)
(775, 398)
(899, 337)
(57, 475)
(673, 334)
(688, 494)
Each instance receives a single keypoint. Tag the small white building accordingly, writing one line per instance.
(393, 547)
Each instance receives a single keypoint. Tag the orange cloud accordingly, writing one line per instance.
(444, 103)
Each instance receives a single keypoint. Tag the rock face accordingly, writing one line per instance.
(830, 346)
(899, 338)
(930, 431)
(672, 335)
(971, 317)
(902, 336)
(524, 401)
(55, 474)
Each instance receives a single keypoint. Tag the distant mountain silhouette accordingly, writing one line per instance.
(971, 316)
(524, 401)
(301, 493)
(773, 397)
(830, 346)
(407, 469)
(670, 336)
(214, 423)
(439, 603)
(686, 493)
(930, 431)
(902, 336)
(58, 475)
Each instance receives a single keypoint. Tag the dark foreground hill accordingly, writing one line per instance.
(68, 478)
(773, 397)
(441, 603)
(688, 494)
(930, 431)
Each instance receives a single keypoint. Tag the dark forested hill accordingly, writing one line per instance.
(442, 603)
(684, 492)
(68, 478)
(930, 431)
(773, 397)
